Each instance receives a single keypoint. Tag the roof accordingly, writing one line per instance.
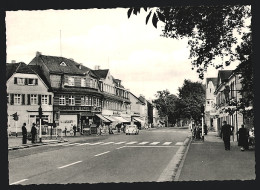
(37, 69)
(101, 73)
(10, 69)
(223, 76)
(137, 98)
(20, 67)
(213, 80)
(53, 63)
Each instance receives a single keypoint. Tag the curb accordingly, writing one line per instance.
(172, 168)
(34, 145)
(178, 173)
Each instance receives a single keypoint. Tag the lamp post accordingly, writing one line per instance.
(40, 130)
(202, 122)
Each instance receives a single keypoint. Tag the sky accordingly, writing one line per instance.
(134, 52)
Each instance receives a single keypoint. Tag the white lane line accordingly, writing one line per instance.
(71, 144)
(59, 144)
(102, 153)
(19, 181)
(69, 164)
(120, 147)
(107, 143)
(179, 143)
(143, 142)
(133, 142)
(149, 146)
(83, 144)
(120, 142)
(154, 143)
(96, 143)
(167, 143)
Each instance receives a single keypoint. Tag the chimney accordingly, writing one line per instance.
(80, 66)
(97, 67)
(38, 53)
(13, 61)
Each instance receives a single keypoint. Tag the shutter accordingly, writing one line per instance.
(26, 81)
(15, 80)
(67, 100)
(50, 99)
(36, 81)
(28, 99)
(39, 99)
(12, 99)
(23, 99)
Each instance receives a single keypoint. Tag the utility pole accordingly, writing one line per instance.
(202, 122)
(40, 130)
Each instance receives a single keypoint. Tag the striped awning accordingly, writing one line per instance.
(138, 120)
(103, 118)
(110, 118)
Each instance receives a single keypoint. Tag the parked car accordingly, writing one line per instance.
(131, 129)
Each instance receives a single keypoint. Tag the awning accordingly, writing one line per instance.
(101, 117)
(110, 118)
(138, 120)
(127, 119)
(120, 119)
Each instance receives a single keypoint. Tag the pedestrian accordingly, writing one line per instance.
(74, 130)
(33, 132)
(65, 131)
(225, 133)
(205, 129)
(243, 135)
(24, 133)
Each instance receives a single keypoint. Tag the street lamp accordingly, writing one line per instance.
(40, 130)
(202, 122)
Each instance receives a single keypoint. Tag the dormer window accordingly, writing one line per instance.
(63, 64)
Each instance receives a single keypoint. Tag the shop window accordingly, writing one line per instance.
(62, 100)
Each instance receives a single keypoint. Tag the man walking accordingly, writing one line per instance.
(24, 133)
(243, 137)
(225, 134)
(33, 132)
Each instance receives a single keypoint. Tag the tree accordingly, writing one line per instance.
(210, 30)
(191, 98)
(165, 104)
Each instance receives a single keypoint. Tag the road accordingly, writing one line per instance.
(104, 159)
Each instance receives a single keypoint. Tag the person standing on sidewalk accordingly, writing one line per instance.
(33, 132)
(225, 134)
(74, 130)
(24, 133)
(243, 135)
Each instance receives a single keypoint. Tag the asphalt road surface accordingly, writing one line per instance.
(105, 159)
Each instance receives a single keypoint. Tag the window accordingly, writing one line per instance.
(91, 83)
(62, 100)
(83, 82)
(87, 100)
(71, 81)
(33, 99)
(20, 81)
(94, 101)
(32, 81)
(71, 100)
(82, 100)
(7, 98)
(44, 99)
(17, 99)
(63, 64)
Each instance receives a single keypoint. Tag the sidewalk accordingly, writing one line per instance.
(209, 160)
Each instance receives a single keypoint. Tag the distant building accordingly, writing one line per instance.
(211, 85)
(27, 89)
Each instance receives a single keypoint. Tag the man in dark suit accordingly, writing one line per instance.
(24, 133)
(225, 133)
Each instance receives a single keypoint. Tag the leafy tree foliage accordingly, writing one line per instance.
(191, 98)
(210, 30)
(165, 104)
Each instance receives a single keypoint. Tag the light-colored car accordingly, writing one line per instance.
(131, 129)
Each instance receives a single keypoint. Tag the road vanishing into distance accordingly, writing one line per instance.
(103, 159)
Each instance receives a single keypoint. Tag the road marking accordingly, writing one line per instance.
(58, 144)
(96, 143)
(107, 143)
(83, 144)
(133, 142)
(70, 144)
(19, 181)
(102, 153)
(121, 147)
(149, 146)
(120, 142)
(69, 164)
(154, 143)
(179, 143)
(167, 143)
(143, 142)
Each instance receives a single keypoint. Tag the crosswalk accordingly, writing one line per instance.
(156, 143)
